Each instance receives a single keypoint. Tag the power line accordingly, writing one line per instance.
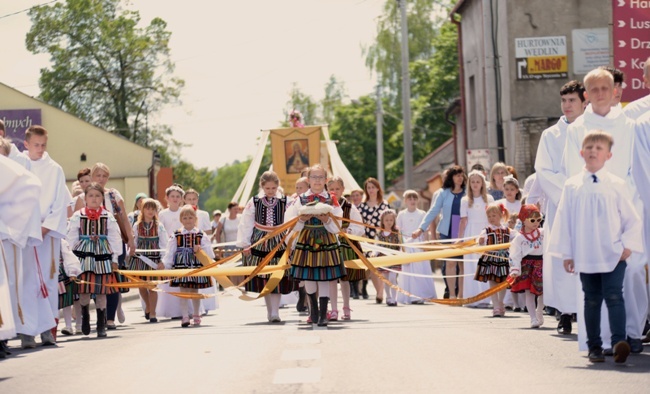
(27, 9)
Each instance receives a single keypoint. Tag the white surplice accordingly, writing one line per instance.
(560, 287)
(637, 108)
(622, 130)
(208, 304)
(41, 263)
(19, 227)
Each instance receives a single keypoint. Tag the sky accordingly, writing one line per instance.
(239, 60)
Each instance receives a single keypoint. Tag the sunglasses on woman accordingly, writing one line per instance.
(533, 220)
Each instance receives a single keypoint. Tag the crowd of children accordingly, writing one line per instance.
(576, 240)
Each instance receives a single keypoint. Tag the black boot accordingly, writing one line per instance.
(313, 307)
(322, 316)
(354, 290)
(85, 319)
(101, 323)
(364, 289)
(302, 299)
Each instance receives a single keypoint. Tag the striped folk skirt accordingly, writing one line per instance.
(352, 274)
(316, 256)
(531, 276)
(259, 253)
(185, 259)
(495, 268)
(67, 290)
(97, 283)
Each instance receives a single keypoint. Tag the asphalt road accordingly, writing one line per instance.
(407, 349)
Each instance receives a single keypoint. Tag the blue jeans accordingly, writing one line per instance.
(606, 286)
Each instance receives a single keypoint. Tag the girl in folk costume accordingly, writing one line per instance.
(511, 194)
(95, 238)
(493, 266)
(315, 257)
(149, 234)
(170, 218)
(389, 233)
(526, 262)
(262, 215)
(421, 287)
(336, 187)
(473, 221)
(69, 270)
(180, 254)
(113, 203)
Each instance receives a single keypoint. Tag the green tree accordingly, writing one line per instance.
(226, 181)
(334, 95)
(384, 56)
(304, 103)
(354, 128)
(105, 68)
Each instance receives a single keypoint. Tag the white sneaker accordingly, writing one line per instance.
(540, 317)
(68, 331)
(534, 323)
(275, 319)
(120, 315)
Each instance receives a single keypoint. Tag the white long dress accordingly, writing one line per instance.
(407, 222)
(168, 305)
(208, 304)
(476, 222)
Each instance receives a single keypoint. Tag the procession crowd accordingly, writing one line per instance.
(575, 228)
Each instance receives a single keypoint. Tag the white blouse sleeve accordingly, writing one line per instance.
(356, 229)
(162, 239)
(292, 212)
(246, 225)
(334, 225)
(206, 245)
(114, 237)
(464, 207)
(71, 264)
(74, 224)
(168, 258)
(516, 253)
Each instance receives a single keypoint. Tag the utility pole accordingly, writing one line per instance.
(406, 100)
(380, 139)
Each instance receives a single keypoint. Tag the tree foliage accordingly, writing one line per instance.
(105, 69)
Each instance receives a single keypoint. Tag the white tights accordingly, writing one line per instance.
(272, 302)
(323, 288)
(196, 303)
(530, 304)
(391, 294)
(100, 301)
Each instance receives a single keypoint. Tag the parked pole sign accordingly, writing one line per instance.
(631, 39)
(541, 58)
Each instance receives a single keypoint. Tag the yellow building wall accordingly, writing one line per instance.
(70, 137)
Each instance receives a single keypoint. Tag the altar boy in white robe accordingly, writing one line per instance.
(40, 263)
(19, 191)
(596, 231)
(559, 287)
(601, 115)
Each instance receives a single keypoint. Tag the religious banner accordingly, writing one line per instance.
(293, 150)
(17, 121)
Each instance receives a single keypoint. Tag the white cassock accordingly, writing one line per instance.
(424, 287)
(560, 287)
(595, 241)
(20, 227)
(637, 108)
(18, 157)
(211, 303)
(622, 130)
(41, 263)
(641, 170)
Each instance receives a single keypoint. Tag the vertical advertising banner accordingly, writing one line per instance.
(17, 121)
(293, 150)
(631, 39)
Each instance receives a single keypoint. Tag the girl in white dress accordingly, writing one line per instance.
(512, 201)
(168, 305)
(472, 221)
(408, 221)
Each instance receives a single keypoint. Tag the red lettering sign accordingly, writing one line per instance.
(631, 39)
